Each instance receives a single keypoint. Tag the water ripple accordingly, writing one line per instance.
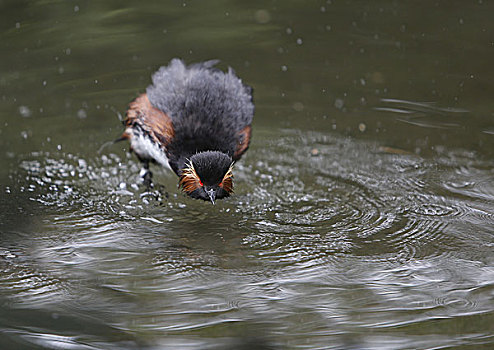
(423, 114)
(348, 231)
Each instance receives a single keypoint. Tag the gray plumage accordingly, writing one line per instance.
(182, 91)
(207, 106)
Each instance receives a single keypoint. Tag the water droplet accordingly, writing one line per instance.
(76, 8)
(298, 106)
(299, 41)
(338, 103)
(81, 163)
(81, 114)
(262, 16)
(24, 111)
(284, 68)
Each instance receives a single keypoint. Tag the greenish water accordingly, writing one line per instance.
(364, 210)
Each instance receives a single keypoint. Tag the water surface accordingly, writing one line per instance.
(364, 210)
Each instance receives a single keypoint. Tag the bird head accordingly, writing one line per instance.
(208, 176)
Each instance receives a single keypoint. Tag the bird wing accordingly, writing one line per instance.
(243, 137)
(155, 123)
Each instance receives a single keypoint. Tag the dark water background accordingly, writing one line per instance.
(364, 210)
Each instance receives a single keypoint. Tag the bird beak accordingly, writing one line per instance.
(212, 195)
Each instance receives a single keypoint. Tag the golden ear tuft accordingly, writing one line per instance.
(189, 180)
(227, 182)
